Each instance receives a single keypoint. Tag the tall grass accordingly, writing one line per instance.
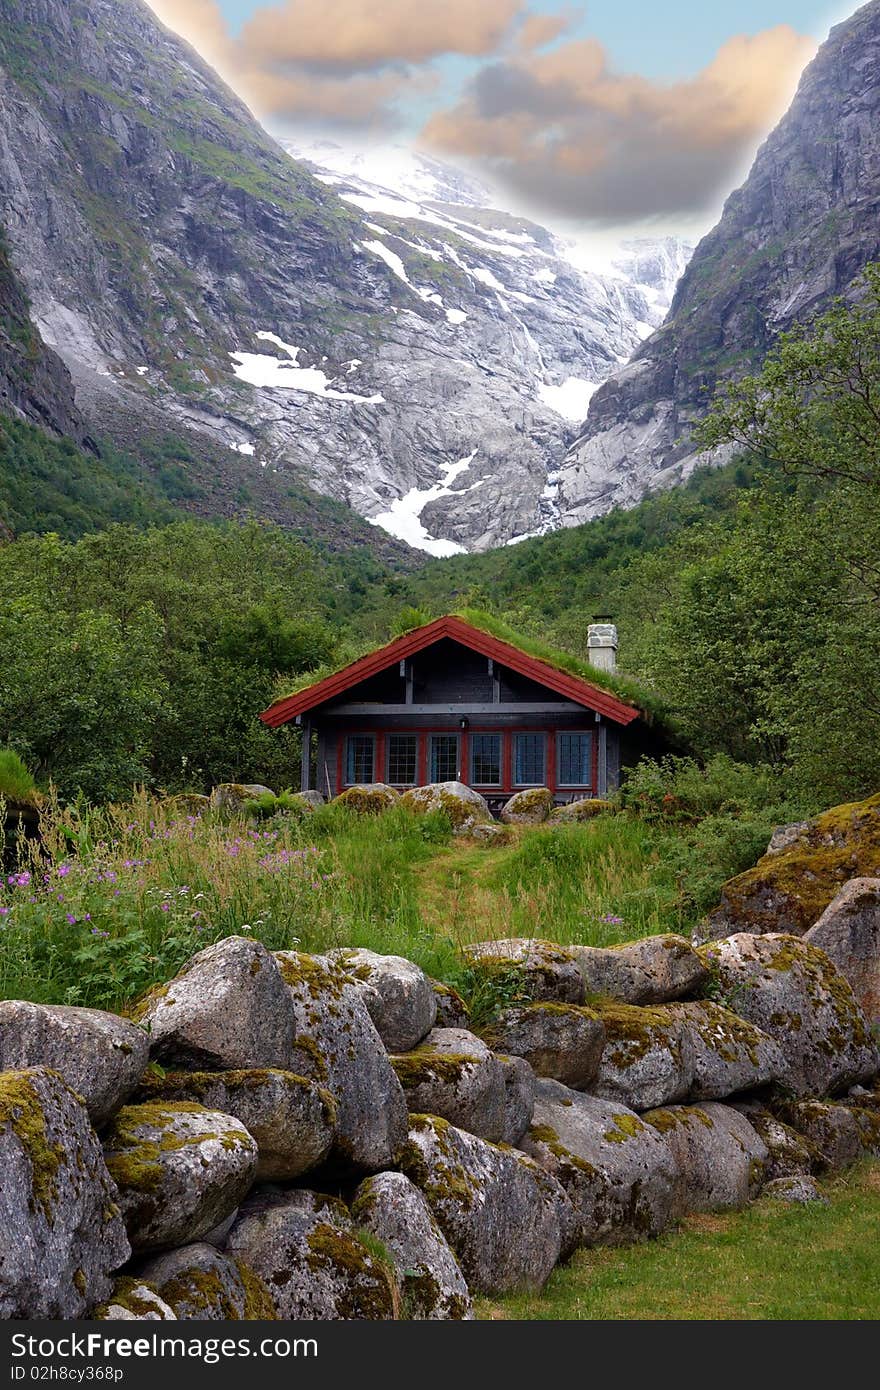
(16, 783)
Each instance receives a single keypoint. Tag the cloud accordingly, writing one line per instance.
(568, 133)
(537, 30)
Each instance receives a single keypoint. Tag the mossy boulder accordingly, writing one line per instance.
(432, 1286)
(648, 1058)
(186, 804)
(842, 1133)
(63, 1235)
(451, 1009)
(792, 991)
(456, 1075)
(506, 1221)
(540, 970)
(464, 807)
(790, 1154)
(562, 1041)
(337, 1045)
(790, 888)
(291, 1118)
(304, 1248)
(180, 1169)
(231, 798)
(800, 1190)
(367, 799)
(398, 995)
(655, 970)
(730, 1054)
(100, 1055)
(134, 1300)
(585, 809)
(202, 1284)
(721, 1159)
(849, 933)
(227, 1008)
(529, 807)
(619, 1175)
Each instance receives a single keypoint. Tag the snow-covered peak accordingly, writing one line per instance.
(398, 169)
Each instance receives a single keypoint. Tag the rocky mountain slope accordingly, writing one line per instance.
(797, 233)
(174, 255)
(34, 383)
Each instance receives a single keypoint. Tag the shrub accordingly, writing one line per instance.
(16, 783)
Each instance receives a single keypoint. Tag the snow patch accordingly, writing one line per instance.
(282, 373)
(247, 449)
(571, 400)
(403, 517)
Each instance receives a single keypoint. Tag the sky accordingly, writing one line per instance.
(615, 117)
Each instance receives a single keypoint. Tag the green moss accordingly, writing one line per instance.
(259, 1305)
(665, 1121)
(370, 1291)
(582, 810)
(425, 1065)
(459, 812)
(128, 1294)
(566, 1160)
(22, 1112)
(134, 1161)
(366, 801)
(631, 1031)
(624, 1128)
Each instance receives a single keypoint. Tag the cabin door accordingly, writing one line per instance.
(443, 761)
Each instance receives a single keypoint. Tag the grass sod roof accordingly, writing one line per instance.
(652, 708)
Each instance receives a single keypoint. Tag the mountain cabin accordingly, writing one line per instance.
(449, 702)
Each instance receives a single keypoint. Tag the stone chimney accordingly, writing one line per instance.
(602, 643)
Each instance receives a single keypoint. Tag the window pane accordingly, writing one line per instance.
(444, 757)
(486, 759)
(529, 760)
(402, 759)
(359, 758)
(575, 760)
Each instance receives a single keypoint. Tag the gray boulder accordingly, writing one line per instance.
(529, 807)
(452, 1011)
(63, 1235)
(507, 1221)
(291, 1118)
(305, 1250)
(180, 1169)
(842, 1134)
(227, 1008)
(538, 970)
(648, 1058)
(99, 1055)
(202, 1284)
(519, 1105)
(619, 1175)
(791, 990)
(562, 1041)
(432, 1285)
(134, 1300)
(730, 1054)
(800, 1190)
(465, 808)
(399, 995)
(651, 971)
(337, 1045)
(789, 1154)
(456, 1075)
(230, 798)
(720, 1157)
(849, 933)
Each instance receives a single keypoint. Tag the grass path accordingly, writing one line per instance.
(455, 893)
(770, 1262)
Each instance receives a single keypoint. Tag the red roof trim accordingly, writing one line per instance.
(563, 682)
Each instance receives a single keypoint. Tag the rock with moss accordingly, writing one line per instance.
(63, 1234)
(231, 798)
(562, 1041)
(529, 807)
(730, 1054)
(99, 1054)
(338, 1046)
(586, 808)
(721, 1159)
(467, 811)
(506, 1220)
(187, 804)
(304, 1248)
(654, 970)
(227, 1008)
(648, 1058)
(800, 1190)
(291, 1118)
(180, 1169)
(482, 832)
(202, 1284)
(367, 798)
(456, 1075)
(133, 1299)
(452, 1011)
(790, 887)
(789, 1154)
(432, 1286)
(398, 995)
(519, 1104)
(849, 933)
(620, 1178)
(841, 1133)
(528, 968)
(793, 992)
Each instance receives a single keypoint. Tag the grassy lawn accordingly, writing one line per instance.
(771, 1261)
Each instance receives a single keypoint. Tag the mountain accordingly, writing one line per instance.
(187, 270)
(34, 383)
(797, 233)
